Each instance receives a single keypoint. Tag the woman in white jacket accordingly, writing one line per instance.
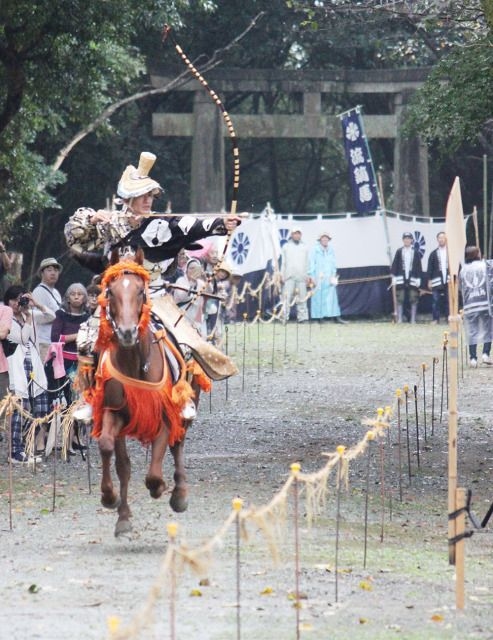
(26, 372)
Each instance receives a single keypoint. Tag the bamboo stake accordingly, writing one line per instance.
(237, 505)
(285, 339)
(398, 394)
(423, 367)
(381, 448)
(340, 450)
(406, 394)
(88, 451)
(460, 503)
(11, 484)
(388, 413)
(417, 424)
(172, 528)
(444, 373)
(435, 362)
(244, 353)
(370, 436)
(226, 331)
(54, 462)
(295, 470)
(273, 343)
(258, 344)
(452, 413)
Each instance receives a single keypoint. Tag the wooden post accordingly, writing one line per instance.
(452, 414)
(456, 241)
(460, 503)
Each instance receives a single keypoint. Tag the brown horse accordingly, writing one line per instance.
(140, 391)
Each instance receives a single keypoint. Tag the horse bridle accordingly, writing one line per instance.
(109, 316)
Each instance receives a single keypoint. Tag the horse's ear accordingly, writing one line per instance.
(114, 257)
(139, 256)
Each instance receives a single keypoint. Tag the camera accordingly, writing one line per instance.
(24, 301)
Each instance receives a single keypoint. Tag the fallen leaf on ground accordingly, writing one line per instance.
(437, 617)
(365, 585)
(267, 591)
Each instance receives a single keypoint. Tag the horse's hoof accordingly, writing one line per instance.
(110, 502)
(178, 501)
(122, 526)
(156, 486)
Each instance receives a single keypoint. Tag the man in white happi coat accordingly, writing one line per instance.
(294, 270)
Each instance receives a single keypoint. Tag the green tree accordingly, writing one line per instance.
(454, 106)
(62, 62)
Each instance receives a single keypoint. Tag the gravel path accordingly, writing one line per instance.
(64, 574)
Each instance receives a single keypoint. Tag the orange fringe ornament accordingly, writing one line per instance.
(148, 405)
(199, 377)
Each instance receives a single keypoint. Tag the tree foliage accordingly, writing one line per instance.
(61, 63)
(454, 106)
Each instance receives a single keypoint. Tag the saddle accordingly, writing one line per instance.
(214, 362)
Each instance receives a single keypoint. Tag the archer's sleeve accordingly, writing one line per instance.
(194, 229)
(82, 235)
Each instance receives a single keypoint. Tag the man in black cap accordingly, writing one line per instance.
(407, 273)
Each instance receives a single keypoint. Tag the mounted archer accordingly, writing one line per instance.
(93, 235)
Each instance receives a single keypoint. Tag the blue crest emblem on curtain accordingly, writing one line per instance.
(419, 243)
(240, 247)
(361, 173)
(283, 236)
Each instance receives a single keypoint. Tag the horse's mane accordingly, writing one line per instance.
(114, 271)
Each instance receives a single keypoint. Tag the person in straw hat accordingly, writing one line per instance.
(294, 274)
(322, 269)
(47, 295)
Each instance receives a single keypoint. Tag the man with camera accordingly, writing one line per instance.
(27, 377)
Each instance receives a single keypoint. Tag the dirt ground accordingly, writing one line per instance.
(64, 574)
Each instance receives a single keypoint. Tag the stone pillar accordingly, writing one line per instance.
(207, 182)
(411, 185)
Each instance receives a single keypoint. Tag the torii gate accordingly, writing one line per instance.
(205, 125)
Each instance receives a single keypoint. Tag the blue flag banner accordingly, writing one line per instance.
(361, 173)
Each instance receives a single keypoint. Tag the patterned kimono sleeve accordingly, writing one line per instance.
(197, 229)
(81, 235)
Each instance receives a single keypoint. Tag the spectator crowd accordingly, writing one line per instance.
(44, 333)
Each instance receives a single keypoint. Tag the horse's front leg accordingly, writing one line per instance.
(122, 463)
(110, 427)
(179, 496)
(154, 478)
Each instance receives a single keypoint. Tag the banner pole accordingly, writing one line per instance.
(485, 206)
(383, 212)
(475, 223)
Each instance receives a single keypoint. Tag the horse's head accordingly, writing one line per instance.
(124, 302)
